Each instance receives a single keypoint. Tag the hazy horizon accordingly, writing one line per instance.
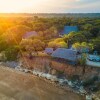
(50, 6)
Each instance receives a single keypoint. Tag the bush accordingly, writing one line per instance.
(74, 78)
(90, 81)
(11, 53)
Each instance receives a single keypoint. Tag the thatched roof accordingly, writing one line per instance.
(67, 54)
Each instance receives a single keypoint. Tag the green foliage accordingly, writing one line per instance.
(78, 38)
(82, 60)
(76, 45)
(96, 43)
(3, 44)
(87, 35)
(11, 32)
(11, 53)
(57, 43)
(74, 37)
(90, 81)
(87, 27)
(14, 34)
(49, 33)
(32, 45)
(83, 46)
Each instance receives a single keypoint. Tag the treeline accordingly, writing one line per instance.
(49, 15)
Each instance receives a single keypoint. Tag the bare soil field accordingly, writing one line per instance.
(15, 85)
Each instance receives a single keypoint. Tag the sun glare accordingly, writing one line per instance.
(8, 6)
(49, 6)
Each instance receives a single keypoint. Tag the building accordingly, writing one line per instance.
(94, 58)
(48, 50)
(68, 29)
(30, 34)
(66, 54)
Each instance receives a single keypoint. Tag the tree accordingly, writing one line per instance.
(39, 26)
(96, 43)
(83, 47)
(11, 53)
(77, 46)
(74, 37)
(82, 62)
(87, 35)
(68, 38)
(1, 30)
(32, 45)
(15, 34)
(49, 33)
(3, 44)
(78, 37)
(95, 31)
(87, 27)
(57, 43)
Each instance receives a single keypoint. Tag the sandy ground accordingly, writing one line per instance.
(15, 85)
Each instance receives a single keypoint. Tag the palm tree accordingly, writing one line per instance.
(83, 62)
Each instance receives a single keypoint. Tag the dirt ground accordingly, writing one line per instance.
(15, 85)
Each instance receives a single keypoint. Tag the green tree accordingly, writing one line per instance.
(11, 53)
(3, 44)
(15, 34)
(83, 47)
(87, 35)
(96, 43)
(87, 27)
(82, 62)
(32, 45)
(58, 43)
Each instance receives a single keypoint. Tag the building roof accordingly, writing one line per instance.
(48, 50)
(94, 58)
(30, 34)
(68, 29)
(66, 54)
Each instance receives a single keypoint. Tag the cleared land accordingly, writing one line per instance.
(16, 85)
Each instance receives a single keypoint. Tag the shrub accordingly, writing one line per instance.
(11, 53)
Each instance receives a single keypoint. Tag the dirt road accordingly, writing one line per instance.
(16, 85)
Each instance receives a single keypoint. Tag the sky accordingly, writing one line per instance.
(49, 6)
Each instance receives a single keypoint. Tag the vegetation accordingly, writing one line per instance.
(48, 29)
(58, 43)
(32, 45)
(11, 53)
(83, 47)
